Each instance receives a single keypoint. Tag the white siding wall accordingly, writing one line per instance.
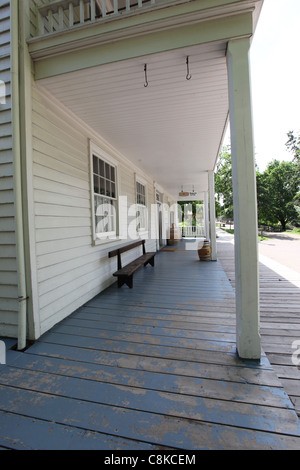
(8, 264)
(70, 269)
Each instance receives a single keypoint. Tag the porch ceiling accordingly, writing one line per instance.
(171, 129)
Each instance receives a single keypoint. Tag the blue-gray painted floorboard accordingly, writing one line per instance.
(148, 368)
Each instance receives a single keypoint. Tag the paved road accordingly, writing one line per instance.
(281, 253)
(283, 248)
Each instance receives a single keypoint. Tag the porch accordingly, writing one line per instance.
(148, 97)
(153, 367)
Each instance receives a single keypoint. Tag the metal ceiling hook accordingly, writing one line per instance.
(188, 75)
(146, 79)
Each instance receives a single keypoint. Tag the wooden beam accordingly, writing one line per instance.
(244, 200)
(212, 215)
(25, 100)
(206, 215)
(130, 43)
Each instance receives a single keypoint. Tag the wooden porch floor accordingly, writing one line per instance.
(150, 368)
(279, 316)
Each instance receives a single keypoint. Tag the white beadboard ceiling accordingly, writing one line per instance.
(171, 129)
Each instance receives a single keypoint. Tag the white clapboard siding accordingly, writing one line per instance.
(70, 268)
(8, 262)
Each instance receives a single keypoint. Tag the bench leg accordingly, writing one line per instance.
(120, 281)
(128, 280)
(151, 261)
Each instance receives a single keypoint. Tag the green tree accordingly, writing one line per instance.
(223, 185)
(195, 208)
(264, 197)
(278, 196)
(277, 188)
(293, 145)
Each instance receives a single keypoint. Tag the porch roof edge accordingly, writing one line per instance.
(122, 45)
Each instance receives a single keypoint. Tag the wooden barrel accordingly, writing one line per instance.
(204, 252)
(175, 236)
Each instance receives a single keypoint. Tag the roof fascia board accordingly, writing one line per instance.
(120, 48)
(135, 23)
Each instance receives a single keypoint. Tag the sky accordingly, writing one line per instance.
(275, 78)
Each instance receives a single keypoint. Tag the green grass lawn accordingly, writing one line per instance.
(295, 230)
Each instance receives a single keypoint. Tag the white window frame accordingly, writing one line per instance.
(104, 236)
(142, 207)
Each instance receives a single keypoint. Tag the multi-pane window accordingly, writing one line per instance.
(140, 194)
(105, 197)
(142, 214)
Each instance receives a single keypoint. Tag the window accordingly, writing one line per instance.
(141, 213)
(140, 194)
(105, 197)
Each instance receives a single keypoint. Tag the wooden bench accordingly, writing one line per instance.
(125, 275)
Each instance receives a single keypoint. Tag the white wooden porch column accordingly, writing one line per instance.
(212, 215)
(206, 216)
(244, 200)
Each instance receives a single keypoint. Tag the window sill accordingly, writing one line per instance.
(113, 240)
(106, 241)
(143, 234)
